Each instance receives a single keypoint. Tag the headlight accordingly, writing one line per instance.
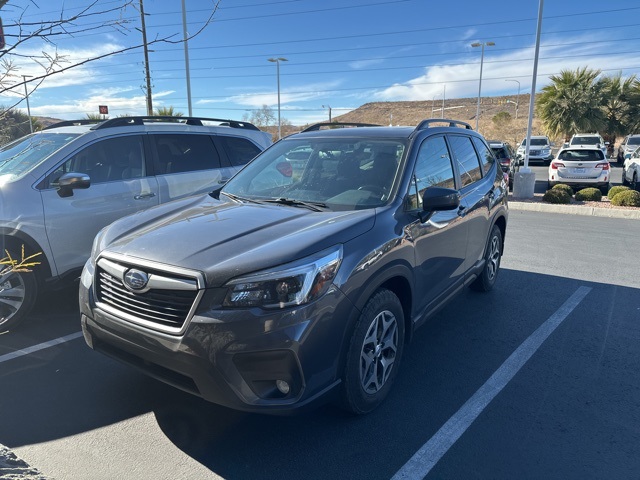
(279, 288)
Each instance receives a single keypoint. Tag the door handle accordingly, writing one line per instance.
(142, 196)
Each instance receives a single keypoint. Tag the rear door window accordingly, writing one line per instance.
(238, 150)
(179, 153)
(466, 159)
(486, 157)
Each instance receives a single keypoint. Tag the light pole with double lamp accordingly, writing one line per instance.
(480, 44)
(518, 97)
(277, 62)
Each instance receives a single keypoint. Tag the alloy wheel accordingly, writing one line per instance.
(493, 260)
(378, 352)
(12, 296)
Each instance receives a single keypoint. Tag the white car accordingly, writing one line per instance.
(581, 167)
(588, 140)
(631, 170)
(540, 150)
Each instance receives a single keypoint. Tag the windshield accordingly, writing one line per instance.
(340, 174)
(23, 155)
(538, 142)
(585, 140)
(634, 141)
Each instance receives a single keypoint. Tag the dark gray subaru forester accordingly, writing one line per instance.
(302, 279)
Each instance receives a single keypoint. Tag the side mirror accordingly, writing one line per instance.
(68, 182)
(437, 199)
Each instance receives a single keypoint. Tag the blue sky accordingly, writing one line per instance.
(340, 53)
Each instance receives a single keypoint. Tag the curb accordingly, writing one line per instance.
(576, 210)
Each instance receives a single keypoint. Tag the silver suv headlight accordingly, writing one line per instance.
(283, 287)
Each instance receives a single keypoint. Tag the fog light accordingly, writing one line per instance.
(283, 386)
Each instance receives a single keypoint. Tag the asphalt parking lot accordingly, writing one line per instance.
(537, 379)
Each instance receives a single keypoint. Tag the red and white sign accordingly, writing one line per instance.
(103, 110)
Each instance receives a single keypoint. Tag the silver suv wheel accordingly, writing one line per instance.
(379, 351)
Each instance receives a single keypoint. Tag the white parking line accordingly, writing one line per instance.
(431, 452)
(40, 346)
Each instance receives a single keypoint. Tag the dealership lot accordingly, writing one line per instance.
(569, 410)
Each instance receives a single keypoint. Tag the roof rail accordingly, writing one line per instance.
(199, 121)
(318, 126)
(452, 123)
(73, 123)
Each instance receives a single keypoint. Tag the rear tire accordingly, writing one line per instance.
(492, 256)
(18, 292)
(374, 354)
(624, 178)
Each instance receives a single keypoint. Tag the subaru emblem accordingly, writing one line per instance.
(136, 280)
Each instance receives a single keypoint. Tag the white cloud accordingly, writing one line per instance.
(461, 79)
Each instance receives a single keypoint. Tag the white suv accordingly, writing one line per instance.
(588, 140)
(540, 150)
(60, 186)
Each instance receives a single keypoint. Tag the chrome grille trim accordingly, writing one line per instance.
(167, 305)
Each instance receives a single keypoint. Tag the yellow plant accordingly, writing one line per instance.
(10, 264)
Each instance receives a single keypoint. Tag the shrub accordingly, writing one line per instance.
(628, 198)
(616, 190)
(556, 195)
(564, 188)
(589, 195)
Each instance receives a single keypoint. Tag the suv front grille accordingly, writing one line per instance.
(165, 305)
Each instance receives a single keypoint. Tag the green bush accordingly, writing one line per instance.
(628, 198)
(556, 195)
(564, 188)
(589, 195)
(616, 190)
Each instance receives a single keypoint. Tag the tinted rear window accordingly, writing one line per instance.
(581, 155)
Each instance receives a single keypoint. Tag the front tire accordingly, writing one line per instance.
(18, 292)
(492, 257)
(374, 354)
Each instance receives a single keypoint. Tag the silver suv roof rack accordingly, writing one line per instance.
(199, 121)
(73, 123)
(318, 126)
(452, 123)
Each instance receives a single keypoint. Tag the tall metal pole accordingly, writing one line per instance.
(146, 60)
(482, 45)
(444, 92)
(186, 56)
(277, 62)
(26, 96)
(532, 100)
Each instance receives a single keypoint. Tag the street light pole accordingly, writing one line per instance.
(518, 97)
(26, 96)
(433, 104)
(329, 107)
(444, 92)
(277, 62)
(482, 45)
(186, 57)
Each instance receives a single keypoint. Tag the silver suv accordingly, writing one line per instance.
(60, 186)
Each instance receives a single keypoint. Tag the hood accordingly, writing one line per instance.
(227, 239)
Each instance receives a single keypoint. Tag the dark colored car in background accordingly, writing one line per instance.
(301, 281)
(506, 157)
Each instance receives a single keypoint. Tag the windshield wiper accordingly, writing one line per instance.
(315, 206)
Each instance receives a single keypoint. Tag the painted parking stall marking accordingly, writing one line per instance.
(431, 452)
(41, 346)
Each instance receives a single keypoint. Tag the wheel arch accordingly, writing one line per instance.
(14, 240)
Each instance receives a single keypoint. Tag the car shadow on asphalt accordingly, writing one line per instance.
(68, 390)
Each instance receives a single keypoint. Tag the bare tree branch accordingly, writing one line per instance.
(68, 26)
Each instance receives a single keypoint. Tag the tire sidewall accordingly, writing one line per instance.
(354, 398)
(31, 291)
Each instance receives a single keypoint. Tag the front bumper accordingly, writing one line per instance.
(235, 357)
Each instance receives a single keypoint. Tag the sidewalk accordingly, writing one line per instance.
(588, 210)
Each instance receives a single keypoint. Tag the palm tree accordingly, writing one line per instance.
(572, 103)
(618, 107)
(167, 112)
